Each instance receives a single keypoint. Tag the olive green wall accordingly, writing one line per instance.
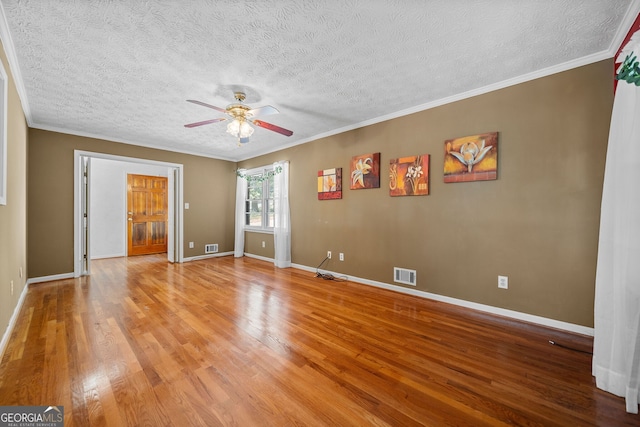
(253, 244)
(537, 223)
(13, 215)
(209, 188)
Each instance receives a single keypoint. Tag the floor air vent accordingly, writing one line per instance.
(402, 275)
(211, 248)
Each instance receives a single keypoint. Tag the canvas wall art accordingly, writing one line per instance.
(409, 176)
(471, 158)
(330, 184)
(365, 171)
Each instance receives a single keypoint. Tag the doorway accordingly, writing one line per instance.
(87, 218)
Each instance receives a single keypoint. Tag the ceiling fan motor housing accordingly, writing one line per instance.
(238, 111)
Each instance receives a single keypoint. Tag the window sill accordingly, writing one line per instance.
(258, 230)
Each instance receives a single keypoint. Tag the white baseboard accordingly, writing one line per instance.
(12, 321)
(118, 255)
(544, 321)
(259, 257)
(50, 278)
(199, 257)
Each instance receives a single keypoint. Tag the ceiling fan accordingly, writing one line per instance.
(241, 115)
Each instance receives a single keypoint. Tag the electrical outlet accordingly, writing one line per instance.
(191, 245)
(503, 282)
(263, 244)
(341, 256)
(329, 254)
(12, 287)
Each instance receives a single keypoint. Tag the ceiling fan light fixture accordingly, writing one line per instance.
(245, 130)
(239, 129)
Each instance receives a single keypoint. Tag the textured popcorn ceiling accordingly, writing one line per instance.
(122, 70)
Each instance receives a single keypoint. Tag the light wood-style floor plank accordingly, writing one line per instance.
(237, 342)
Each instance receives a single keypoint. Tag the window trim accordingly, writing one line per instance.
(3, 133)
(258, 171)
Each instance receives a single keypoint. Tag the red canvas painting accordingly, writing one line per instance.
(330, 184)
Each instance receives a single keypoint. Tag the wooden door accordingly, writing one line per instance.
(147, 198)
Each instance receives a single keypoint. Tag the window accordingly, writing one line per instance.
(259, 203)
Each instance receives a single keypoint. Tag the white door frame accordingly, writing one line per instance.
(175, 217)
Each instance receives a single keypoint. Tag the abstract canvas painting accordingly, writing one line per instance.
(409, 176)
(471, 158)
(365, 171)
(330, 184)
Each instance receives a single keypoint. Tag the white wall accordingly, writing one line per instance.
(108, 204)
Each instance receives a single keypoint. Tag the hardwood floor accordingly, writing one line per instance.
(226, 341)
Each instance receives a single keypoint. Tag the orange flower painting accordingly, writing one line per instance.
(471, 158)
(365, 171)
(330, 184)
(409, 176)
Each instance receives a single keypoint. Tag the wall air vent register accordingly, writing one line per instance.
(404, 276)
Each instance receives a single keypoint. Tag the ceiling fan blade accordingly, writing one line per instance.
(263, 111)
(204, 104)
(206, 122)
(272, 127)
